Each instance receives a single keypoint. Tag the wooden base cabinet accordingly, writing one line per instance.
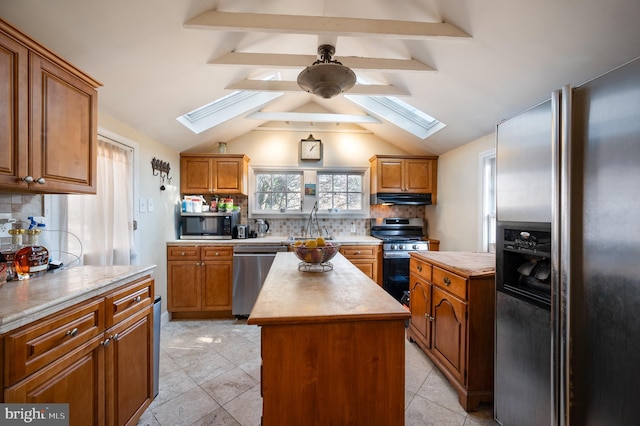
(96, 356)
(452, 320)
(199, 280)
(366, 258)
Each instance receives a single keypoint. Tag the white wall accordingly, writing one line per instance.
(275, 148)
(456, 219)
(157, 227)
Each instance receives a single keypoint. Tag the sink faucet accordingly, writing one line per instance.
(313, 227)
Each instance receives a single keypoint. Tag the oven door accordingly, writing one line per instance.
(395, 274)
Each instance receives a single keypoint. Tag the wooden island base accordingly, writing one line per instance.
(333, 347)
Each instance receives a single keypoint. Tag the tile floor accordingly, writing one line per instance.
(210, 373)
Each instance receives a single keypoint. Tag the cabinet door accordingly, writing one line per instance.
(14, 77)
(449, 331)
(183, 285)
(64, 114)
(390, 174)
(418, 176)
(217, 285)
(196, 175)
(420, 305)
(368, 266)
(228, 176)
(76, 379)
(129, 368)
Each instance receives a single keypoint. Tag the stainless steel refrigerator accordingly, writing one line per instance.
(568, 257)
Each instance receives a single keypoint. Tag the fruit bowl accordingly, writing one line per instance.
(315, 254)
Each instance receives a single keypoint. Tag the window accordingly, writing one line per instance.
(488, 169)
(341, 191)
(279, 191)
(97, 229)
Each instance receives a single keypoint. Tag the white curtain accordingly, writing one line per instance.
(104, 222)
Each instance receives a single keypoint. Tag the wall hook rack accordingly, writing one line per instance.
(162, 169)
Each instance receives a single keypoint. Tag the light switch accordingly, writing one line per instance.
(143, 205)
(150, 205)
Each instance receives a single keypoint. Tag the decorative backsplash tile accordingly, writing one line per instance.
(20, 206)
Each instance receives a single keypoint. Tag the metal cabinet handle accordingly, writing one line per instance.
(27, 179)
(106, 343)
(115, 336)
(41, 181)
(72, 333)
(217, 254)
(183, 254)
(137, 299)
(357, 253)
(419, 268)
(447, 281)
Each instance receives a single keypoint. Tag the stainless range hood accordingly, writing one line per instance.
(401, 198)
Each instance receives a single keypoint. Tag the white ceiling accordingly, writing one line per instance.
(154, 69)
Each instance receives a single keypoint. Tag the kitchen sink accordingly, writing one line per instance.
(300, 237)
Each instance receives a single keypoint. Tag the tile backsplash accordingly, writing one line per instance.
(20, 206)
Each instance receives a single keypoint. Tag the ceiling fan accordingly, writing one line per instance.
(326, 77)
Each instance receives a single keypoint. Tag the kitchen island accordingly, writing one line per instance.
(332, 346)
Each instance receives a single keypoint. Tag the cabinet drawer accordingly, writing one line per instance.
(356, 252)
(128, 300)
(35, 346)
(421, 269)
(450, 282)
(216, 252)
(183, 253)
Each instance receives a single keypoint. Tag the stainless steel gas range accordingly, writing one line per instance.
(400, 237)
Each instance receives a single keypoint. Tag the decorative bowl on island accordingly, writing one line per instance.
(315, 254)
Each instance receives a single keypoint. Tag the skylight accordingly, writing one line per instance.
(399, 113)
(224, 109)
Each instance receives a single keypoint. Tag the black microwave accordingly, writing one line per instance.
(208, 226)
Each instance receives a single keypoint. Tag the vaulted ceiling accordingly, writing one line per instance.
(467, 63)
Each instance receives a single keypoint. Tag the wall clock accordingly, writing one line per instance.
(310, 149)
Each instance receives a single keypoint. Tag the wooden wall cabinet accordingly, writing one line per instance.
(104, 373)
(405, 174)
(224, 174)
(452, 319)
(49, 113)
(199, 280)
(366, 258)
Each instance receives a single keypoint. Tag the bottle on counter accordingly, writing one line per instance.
(8, 253)
(32, 260)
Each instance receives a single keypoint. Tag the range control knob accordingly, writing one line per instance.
(416, 246)
(401, 247)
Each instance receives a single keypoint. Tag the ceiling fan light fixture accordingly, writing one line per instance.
(326, 77)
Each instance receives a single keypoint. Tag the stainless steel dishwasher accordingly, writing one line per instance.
(251, 263)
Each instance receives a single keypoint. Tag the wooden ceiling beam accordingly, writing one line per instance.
(270, 60)
(325, 25)
(292, 86)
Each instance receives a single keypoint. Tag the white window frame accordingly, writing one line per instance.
(310, 176)
(487, 219)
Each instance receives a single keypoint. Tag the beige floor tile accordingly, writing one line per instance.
(210, 374)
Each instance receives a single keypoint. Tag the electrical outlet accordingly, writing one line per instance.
(4, 225)
(150, 205)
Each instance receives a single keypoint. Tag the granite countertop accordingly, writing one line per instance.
(22, 302)
(280, 239)
(465, 263)
(290, 296)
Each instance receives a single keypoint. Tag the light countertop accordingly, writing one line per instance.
(465, 263)
(280, 239)
(290, 296)
(22, 302)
